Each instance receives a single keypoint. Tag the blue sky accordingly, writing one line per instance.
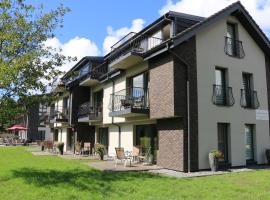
(93, 26)
(90, 18)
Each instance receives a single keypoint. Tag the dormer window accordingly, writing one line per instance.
(233, 46)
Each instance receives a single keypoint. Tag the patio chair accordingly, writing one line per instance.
(120, 156)
(78, 148)
(86, 148)
(49, 145)
(135, 153)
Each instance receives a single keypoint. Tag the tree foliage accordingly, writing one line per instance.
(26, 64)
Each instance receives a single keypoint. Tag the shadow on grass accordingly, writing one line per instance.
(90, 180)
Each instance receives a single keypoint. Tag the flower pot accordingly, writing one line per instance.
(42, 148)
(213, 162)
(101, 155)
(61, 152)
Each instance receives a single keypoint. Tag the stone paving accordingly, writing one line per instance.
(177, 174)
(110, 166)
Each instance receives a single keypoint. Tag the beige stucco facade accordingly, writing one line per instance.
(210, 54)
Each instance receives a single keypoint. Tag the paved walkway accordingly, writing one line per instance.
(110, 166)
(176, 174)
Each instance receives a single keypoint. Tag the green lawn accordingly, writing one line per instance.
(25, 177)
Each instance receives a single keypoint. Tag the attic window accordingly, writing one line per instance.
(233, 46)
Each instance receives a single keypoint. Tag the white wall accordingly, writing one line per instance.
(120, 84)
(210, 53)
(126, 138)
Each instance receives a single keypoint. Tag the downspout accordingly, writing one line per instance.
(187, 100)
(119, 127)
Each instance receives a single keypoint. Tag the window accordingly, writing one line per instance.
(222, 95)
(231, 35)
(249, 98)
(41, 135)
(223, 141)
(233, 47)
(84, 70)
(138, 85)
(247, 88)
(221, 86)
(103, 136)
(249, 137)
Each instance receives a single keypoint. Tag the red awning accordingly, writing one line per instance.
(17, 127)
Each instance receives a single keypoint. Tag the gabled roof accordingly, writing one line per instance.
(236, 9)
(163, 19)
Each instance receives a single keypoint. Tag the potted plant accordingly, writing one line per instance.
(60, 146)
(42, 146)
(267, 152)
(100, 149)
(213, 159)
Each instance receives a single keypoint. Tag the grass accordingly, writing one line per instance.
(24, 176)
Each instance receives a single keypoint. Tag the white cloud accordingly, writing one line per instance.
(75, 47)
(259, 9)
(115, 35)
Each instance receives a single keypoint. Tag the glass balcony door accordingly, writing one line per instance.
(223, 141)
(220, 86)
(249, 136)
(146, 138)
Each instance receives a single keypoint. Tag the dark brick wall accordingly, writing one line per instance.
(187, 51)
(161, 87)
(79, 95)
(171, 144)
(33, 122)
(86, 133)
(168, 99)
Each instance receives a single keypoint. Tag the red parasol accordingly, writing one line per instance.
(17, 127)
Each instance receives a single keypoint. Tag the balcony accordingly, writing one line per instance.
(234, 48)
(88, 113)
(60, 115)
(43, 118)
(130, 49)
(93, 76)
(222, 96)
(130, 102)
(249, 99)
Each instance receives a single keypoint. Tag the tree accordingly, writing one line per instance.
(26, 64)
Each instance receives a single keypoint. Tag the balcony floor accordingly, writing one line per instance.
(129, 112)
(89, 82)
(126, 61)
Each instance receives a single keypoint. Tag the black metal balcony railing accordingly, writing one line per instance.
(97, 72)
(133, 97)
(234, 48)
(222, 95)
(249, 99)
(134, 43)
(83, 109)
(59, 113)
(93, 112)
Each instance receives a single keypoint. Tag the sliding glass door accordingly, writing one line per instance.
(146, 138)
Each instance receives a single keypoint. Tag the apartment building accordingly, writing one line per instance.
(33, 119)
(181, 87)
